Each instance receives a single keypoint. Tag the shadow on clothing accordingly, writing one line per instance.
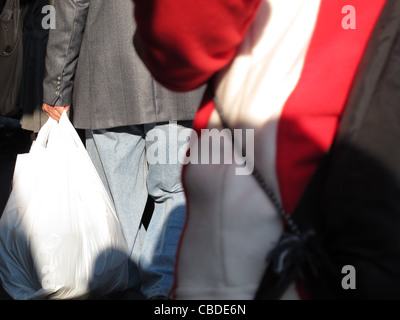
(13, 141)
(33, 283)
(125, 294)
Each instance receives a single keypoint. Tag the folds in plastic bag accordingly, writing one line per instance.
(60, 237)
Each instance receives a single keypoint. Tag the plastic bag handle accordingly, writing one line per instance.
(66, 123)
(51, 126)
(43, 134)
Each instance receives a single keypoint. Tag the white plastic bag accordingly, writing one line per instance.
(60, 237)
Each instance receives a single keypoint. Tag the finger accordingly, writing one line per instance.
(59, 111)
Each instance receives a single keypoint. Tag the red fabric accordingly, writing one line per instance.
(310, 116)
(176, 42)
(204, 113)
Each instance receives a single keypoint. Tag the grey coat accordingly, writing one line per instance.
(91, 63)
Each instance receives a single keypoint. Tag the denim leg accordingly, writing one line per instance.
(157, 259)
(119, 156)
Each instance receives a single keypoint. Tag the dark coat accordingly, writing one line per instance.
(35, 39)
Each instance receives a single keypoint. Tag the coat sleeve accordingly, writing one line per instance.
(183, 43)
(63, 50)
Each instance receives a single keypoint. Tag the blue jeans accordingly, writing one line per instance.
(133, 163)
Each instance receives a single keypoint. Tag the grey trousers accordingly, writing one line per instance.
(133, 163)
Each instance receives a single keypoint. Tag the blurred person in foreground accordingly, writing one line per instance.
(286, 70)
